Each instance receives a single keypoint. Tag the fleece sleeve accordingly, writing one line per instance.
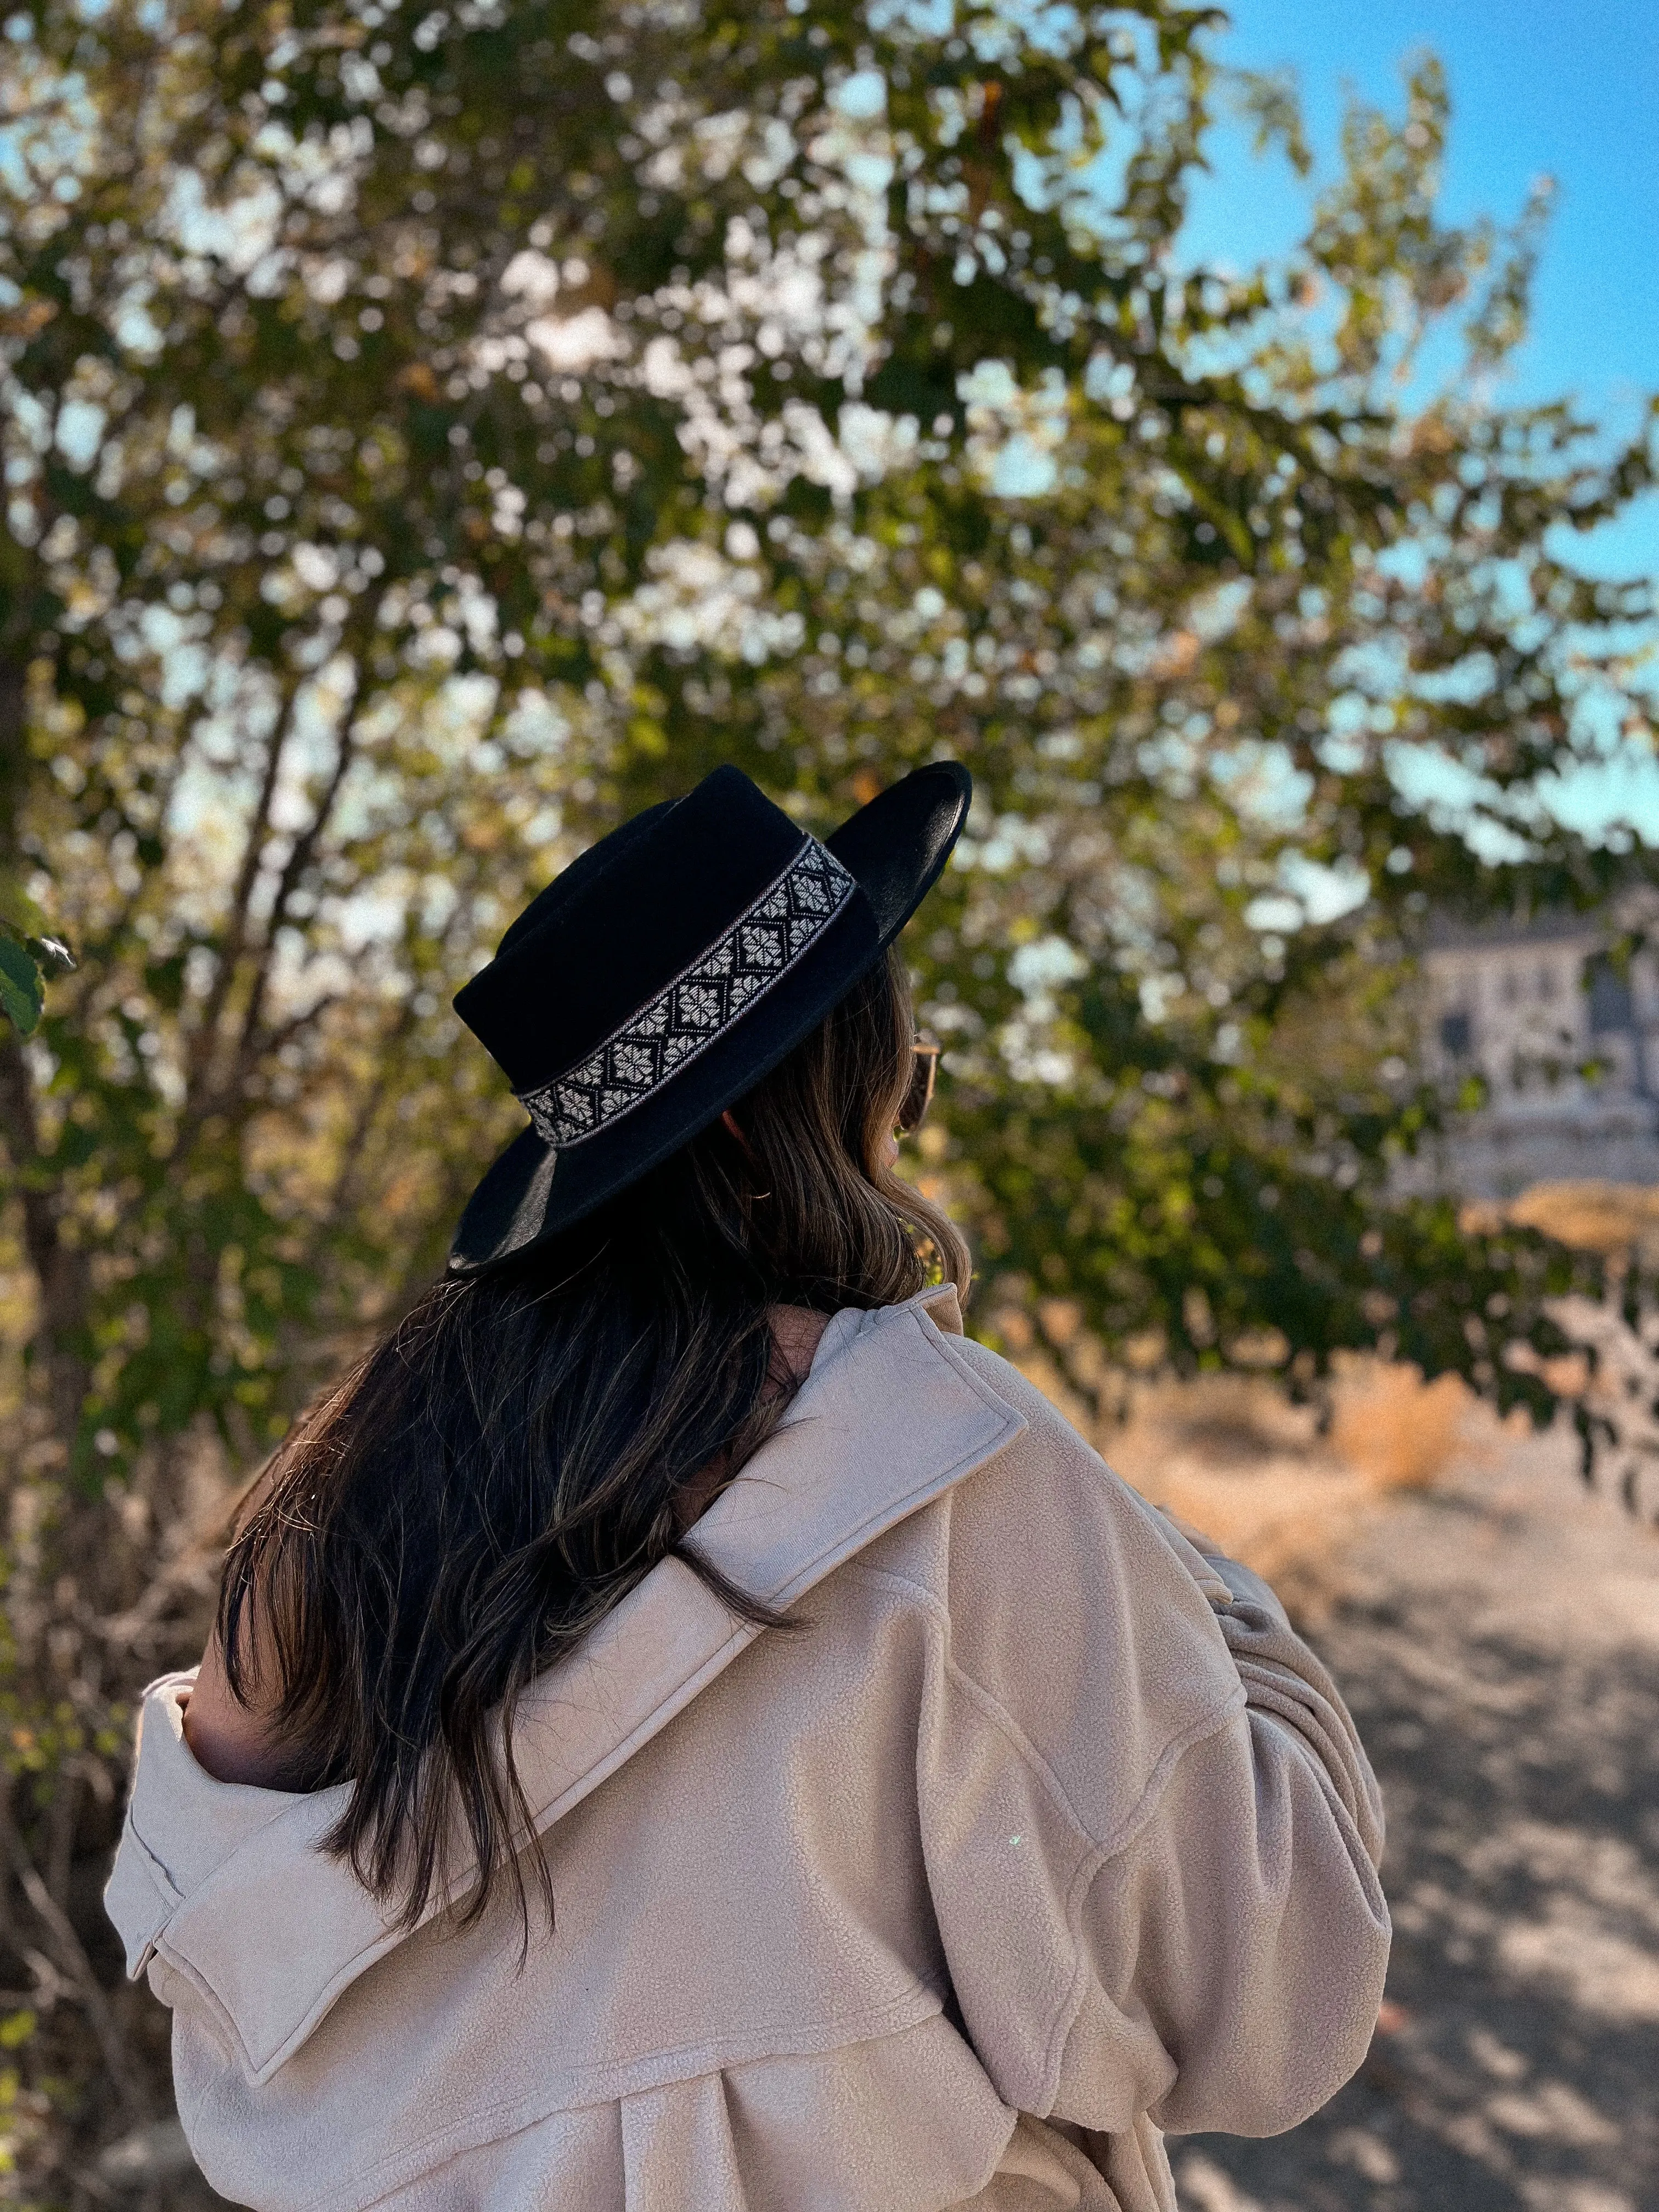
(1242, 1923)
(1153, 1833)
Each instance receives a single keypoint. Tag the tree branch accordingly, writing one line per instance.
(72, 1958)
(59, 1268)
(250, 1041)
(199, 1060)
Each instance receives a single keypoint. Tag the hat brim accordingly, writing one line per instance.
(895, 848)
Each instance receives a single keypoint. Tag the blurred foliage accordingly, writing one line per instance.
(431, 435)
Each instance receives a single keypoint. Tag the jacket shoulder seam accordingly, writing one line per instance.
(1205, 1723)
(989, 1705)
(1101, 1852)
(1139, 1817)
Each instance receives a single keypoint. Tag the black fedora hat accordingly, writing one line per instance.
(668, 970)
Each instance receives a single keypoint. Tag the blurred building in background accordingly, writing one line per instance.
(1561, 1022)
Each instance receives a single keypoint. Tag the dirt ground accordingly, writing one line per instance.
(1501, 1652)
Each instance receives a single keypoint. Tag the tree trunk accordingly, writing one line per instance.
(59, 1267)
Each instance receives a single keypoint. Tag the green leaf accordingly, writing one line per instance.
(22, 989)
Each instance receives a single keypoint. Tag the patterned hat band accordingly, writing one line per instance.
(696, 1009)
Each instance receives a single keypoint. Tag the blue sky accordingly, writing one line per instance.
(1566, 88)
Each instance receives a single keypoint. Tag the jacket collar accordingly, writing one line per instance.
(891, 1415)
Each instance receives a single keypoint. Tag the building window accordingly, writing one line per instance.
(1610, 1006)
(1456, 1035)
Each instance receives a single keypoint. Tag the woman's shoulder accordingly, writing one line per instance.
(1075, 1646)
(1042, 1542)
(1051, 1471)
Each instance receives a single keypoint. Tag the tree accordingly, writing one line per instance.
(429, 437)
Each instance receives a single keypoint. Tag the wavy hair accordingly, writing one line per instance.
(455, 1514)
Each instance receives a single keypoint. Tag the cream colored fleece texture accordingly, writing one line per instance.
(1044, 1835)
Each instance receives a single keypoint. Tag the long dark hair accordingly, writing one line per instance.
(458, 1512)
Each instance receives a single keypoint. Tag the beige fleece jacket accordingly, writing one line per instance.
(1044, 1836)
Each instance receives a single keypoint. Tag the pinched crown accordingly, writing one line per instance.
(685, 1018)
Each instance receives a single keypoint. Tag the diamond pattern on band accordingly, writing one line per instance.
(698, 1006)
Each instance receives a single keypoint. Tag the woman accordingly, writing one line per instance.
(687, 1731)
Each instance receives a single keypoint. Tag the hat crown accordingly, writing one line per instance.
(625, 921)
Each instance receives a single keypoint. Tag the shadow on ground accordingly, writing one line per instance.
(1504, 1671)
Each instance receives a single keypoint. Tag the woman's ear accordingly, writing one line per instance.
(729, 1122)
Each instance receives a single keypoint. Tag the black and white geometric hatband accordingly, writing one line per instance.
(684, 1019)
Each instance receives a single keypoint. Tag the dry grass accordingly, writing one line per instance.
(1617, 1220)
(1394, 1430)
(1231, 1454)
